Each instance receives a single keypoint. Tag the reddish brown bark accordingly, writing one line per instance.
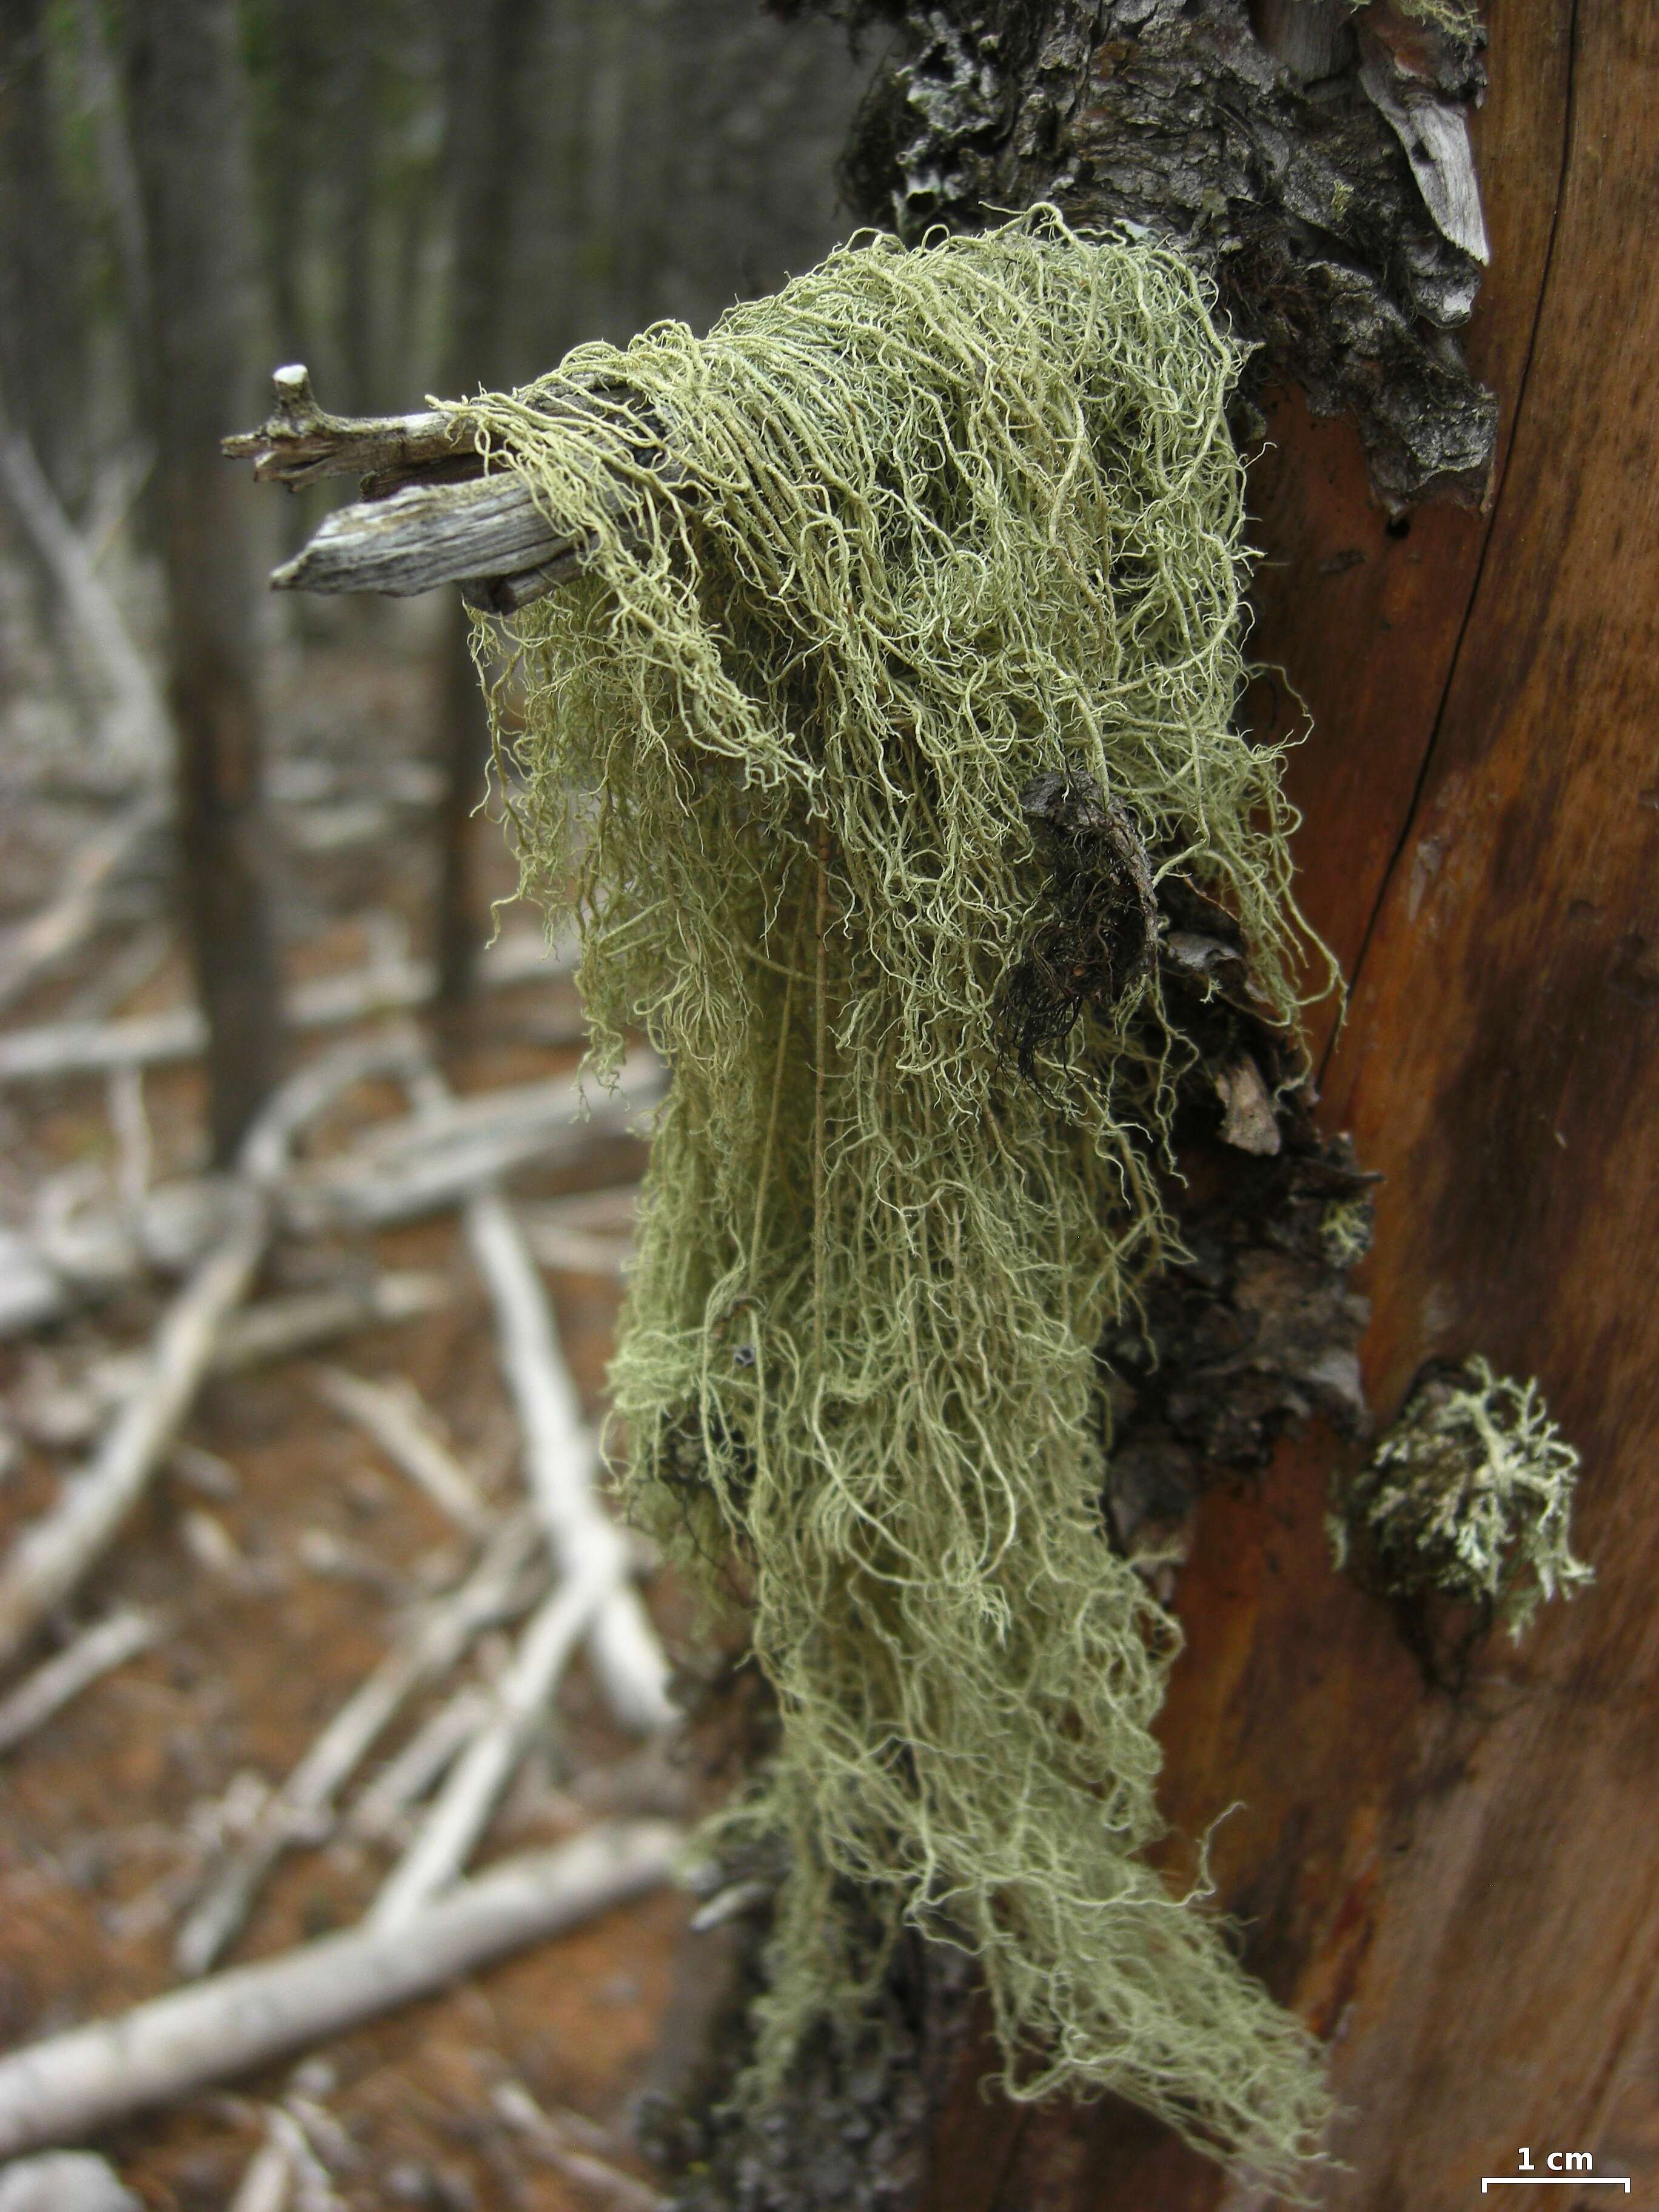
(1459, 1893)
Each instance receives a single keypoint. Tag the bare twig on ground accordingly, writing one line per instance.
(425, 1654)
(440, 1852)
(506, 1129)
(129, 968)
(562, 1461)
(731, 1902)
(573, 1251)
(51, 1557)
(73, 2085)
(552, 2141)
(81, 1048)
(270, 1329)
(267, 2182)
(28, 949)
(47, 1272)
(298, 1320)
(64, 2181)
(138, 733)
(313, 2189)
(391, 1414)
(95, 1652)
(586, 1231)
(379, 1814)
(135, 1151)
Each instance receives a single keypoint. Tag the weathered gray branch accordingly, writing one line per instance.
(51, 1557)
(432, 534)
(300, 442)
(425, 1653)
(73, 2085)
(435, 510)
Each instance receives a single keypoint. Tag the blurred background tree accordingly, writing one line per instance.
(410, 195)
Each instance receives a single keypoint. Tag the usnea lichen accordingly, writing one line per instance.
(941, 523)
(1469, 1495)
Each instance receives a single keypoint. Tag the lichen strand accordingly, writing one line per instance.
(956, 518)
(1469, 1496)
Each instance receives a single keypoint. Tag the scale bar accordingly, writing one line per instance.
(1554, 2181)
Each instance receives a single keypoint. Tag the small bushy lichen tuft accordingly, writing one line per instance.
(1469, 1495)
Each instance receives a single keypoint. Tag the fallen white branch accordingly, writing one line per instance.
(562, 1461)
(394, 1417)
(568, 1251)
(28, 949)
(51, 1559)
(64, 2181)
(71, 2086)
(61, 1048)
(269, 1329)
(464, 1805)
(298, 1320)
(134, 1146)
(434, 1644)
(403, 1173)
(32, 1290)
(379, 1814)
(95, 1652)
(313, 2188)
(582, 2163)
(139, 732)
(46, 1273)
(267, 2182)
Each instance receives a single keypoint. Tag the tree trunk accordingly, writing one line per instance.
(1448, 1874)
(1455, 1890)
(43, 330)
(186, 94)
(488, 52)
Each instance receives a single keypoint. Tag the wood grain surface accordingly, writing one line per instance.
(1461, 1894)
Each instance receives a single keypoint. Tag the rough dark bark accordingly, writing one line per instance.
(185, 99)
(1277, 156)
(850, 2129)
(1314, 160)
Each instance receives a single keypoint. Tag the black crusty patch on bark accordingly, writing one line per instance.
(1099, 928)
(1287, 182)
(1255, 1329)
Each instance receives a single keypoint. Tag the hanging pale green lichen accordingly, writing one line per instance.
(1468, 1494)
(1461, 18)
(939, 523)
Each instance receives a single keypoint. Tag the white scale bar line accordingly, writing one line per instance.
(1553, 2181)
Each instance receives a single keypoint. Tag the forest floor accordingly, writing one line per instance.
(279, 1547)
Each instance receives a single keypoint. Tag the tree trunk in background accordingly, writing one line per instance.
(357, 89)
(186, 105)
(43, 328)
(488, 45)
(1456, 1891)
